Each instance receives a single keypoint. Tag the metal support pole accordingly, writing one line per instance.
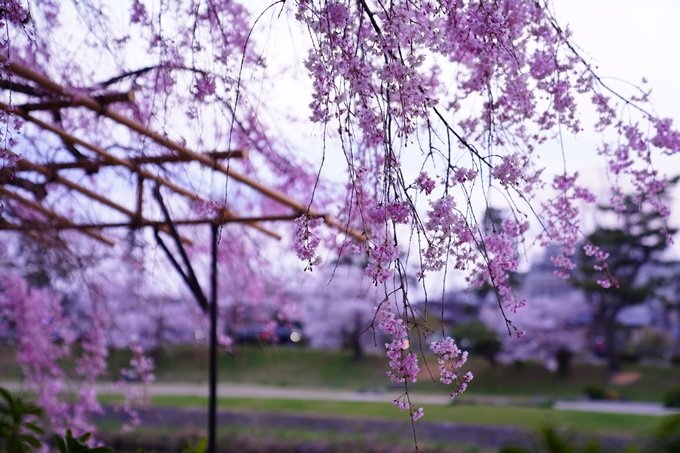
(212, 410)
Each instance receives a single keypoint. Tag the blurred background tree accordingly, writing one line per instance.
(477, 338)
(632, 272)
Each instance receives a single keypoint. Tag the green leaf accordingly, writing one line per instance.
(32, 441)
(71, 442)
(140, 450)
(61, 445)
(101, 450)
(592, 446)
(6, 395)
(35, 428)
(201, 445)
(84, 437)
(33, 410)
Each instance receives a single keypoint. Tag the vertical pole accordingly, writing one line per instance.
(212, 410)
(140, 198)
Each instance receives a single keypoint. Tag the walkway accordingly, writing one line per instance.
(237, 390)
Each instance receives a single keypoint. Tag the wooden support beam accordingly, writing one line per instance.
(56, 104)
(91, 165)
(25, 164)
(142, 129)
(20, 88)
(53, 215)
(66, 137)
(7, 177)
(25, 231)
(140, 197)
(157, 223)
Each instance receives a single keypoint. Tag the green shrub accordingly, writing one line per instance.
(672, 398)
(551, 440)
(595, 391)
(667, 436)
(482, 340)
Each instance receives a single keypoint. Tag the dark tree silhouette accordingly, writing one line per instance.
(630, 275)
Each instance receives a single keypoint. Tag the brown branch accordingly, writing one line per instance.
(25, 232)
(134, 74)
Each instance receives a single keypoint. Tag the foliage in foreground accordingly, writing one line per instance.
(17, 429)
(70, 444)
(672, 398)
(548, 439)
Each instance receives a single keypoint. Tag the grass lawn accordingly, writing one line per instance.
(520, 417)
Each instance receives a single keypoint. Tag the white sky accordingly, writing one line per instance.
(631, 39)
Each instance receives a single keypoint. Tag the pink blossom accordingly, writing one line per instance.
(417, 413)
(306, 243)
(401, 405)
(380, 259)
(404, 364)
(425, 183)
(604, 283)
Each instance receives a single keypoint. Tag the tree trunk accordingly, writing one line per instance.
(357, 350)
(563, 357)
(613, 363)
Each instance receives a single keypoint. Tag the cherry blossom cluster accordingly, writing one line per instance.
(425, 183)
(379, 260)
(450, 360)
(403, 362)
(141, 367)
(600, 265)
(44, 338)
(500, 258)
(396, 211)
(404, 404)
(208, 208)
(450, 237)
(561, 215)
(305, 242)
(510, 52)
